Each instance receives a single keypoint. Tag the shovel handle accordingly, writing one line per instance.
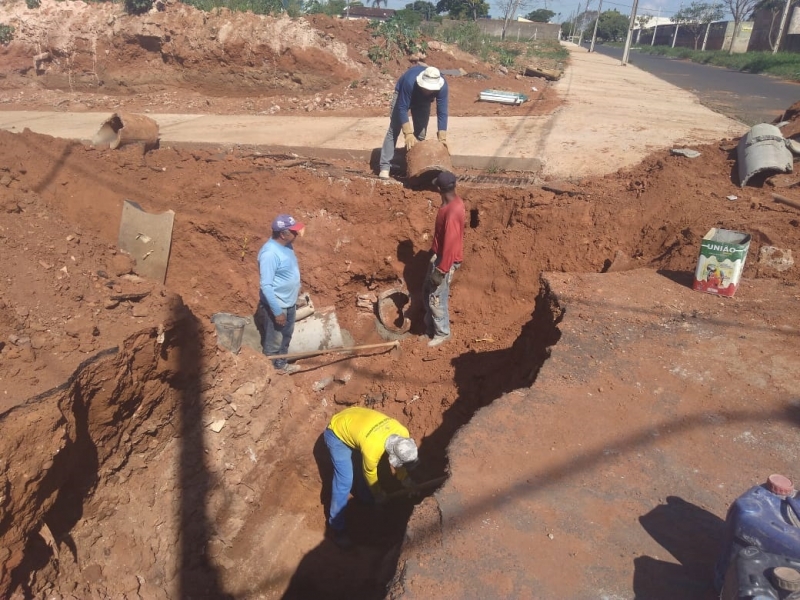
(310, 353)
(787, 201)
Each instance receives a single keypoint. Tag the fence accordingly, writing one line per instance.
(520, 30)
(719, 36)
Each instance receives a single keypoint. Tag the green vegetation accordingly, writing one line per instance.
(463, 9)
(611, 26)
(333, 8)
(697, 16)
(468, 37)
(426, 10)
(33, 3)
(548, 50)
(783, 64)
(540, 15)
(395, 38)
(259, 7)
(6, 33)
(137, 7)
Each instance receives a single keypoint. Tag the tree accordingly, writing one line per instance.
(463, 9)
(611, 26)
(426, 9)
(641, 23)
(697, 17)
(775, 7)
(377, 3)
(739, 9)
(509, 9)
(540, 15)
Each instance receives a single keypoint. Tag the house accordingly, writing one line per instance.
(363, 12)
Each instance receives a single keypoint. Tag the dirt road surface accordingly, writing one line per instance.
(113, 482)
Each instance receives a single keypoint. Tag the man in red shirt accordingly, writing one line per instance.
(447, 253)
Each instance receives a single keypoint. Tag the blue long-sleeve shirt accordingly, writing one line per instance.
(409, 93)
(280, 276)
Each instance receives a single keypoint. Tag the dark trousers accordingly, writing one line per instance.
(276, 337)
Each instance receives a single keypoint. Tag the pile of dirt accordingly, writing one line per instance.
(74, 56)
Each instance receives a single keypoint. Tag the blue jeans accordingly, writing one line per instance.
(437, 314)
(420, 115)
(276, 337)
(346, 462)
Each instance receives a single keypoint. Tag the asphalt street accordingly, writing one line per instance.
(746, 97)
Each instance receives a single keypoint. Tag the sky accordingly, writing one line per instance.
(568, 7)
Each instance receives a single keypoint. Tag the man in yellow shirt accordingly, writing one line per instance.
(362, 434)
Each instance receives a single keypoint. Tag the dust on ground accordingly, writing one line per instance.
(110, 383)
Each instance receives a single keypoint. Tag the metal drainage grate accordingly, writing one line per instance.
(498, 180)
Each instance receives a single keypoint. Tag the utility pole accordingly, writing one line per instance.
(596, 21)
(583, 21)
(627, 49)
(655, 28)
(780, 29)
(705, 37)
(677, 26)
(575, 23)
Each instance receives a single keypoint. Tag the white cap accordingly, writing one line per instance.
(401, 450)
(430, 79)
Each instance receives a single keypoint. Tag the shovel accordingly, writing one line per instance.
(295, 355)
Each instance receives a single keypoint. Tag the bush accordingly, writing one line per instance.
(332, 8)
(782, 64)
(398, 37)
(6, 33)
(33, 3)
(259, 7)
(138, 7)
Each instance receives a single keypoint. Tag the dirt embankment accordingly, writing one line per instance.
(74, 56)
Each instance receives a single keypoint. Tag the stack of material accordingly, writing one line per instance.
(502, 97)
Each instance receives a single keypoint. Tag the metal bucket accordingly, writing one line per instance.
(230, 330)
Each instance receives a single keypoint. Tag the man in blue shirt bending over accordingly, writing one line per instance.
(415, 91)
(280, 286)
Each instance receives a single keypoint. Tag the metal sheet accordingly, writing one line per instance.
(763, 148)
(147, 238)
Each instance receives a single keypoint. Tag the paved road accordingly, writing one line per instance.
(598, 130)
(744, 96)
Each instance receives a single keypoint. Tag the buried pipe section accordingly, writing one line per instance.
(391, 307)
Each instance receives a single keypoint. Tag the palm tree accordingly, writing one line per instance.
(377, 3)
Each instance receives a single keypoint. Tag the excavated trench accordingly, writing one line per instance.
(166, 467)
(127, 439)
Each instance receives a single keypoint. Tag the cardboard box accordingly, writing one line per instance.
(721, 262)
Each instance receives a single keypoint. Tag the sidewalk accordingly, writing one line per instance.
(613, 116)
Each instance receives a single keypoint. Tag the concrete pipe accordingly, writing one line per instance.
(126, 128)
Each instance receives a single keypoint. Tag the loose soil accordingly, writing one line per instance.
(112, 481)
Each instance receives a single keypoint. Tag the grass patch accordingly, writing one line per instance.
(468, 37)
(785, 65)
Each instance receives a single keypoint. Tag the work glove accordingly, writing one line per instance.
(408, 131)
(436, 276)
(441, 135)
(407, 483)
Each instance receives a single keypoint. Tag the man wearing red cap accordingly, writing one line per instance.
(415, 91)
(447, 252)
(280, 286)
